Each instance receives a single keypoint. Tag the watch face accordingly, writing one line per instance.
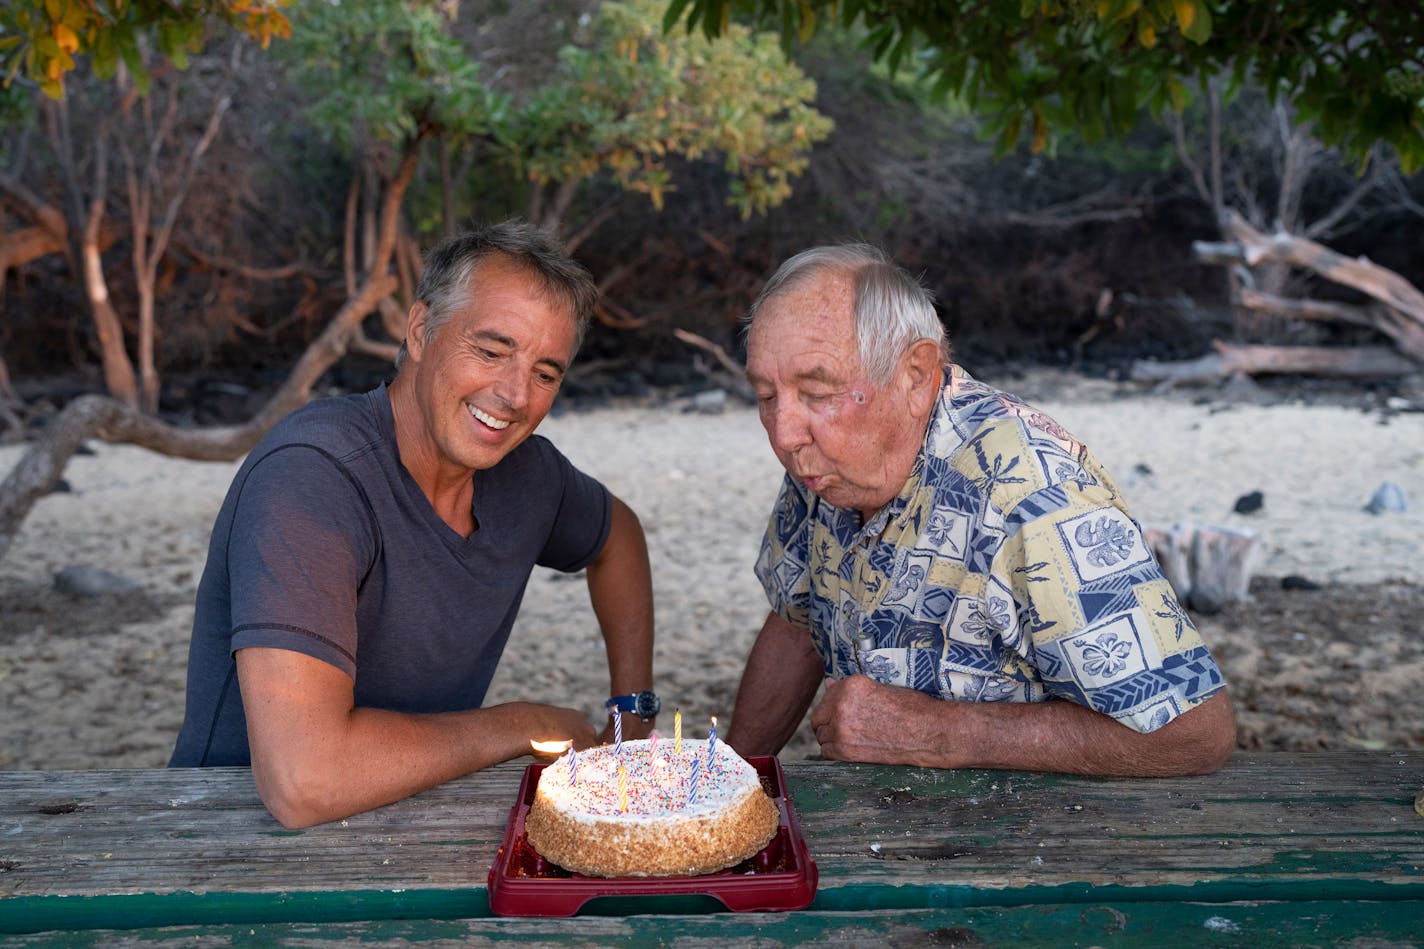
(646, 705)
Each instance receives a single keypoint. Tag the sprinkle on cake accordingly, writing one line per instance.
(579, 820)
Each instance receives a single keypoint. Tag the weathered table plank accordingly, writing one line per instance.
(155, 848)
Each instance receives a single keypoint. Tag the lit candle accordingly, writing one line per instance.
(622, 789)
(712, 743)
(677, 733)
(617, 732)
(692, 785)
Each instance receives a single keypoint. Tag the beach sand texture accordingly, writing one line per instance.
(99, 683)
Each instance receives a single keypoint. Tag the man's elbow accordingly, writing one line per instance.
(1215, 738)
(297, 796)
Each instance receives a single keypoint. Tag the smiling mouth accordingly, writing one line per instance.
(494, 423)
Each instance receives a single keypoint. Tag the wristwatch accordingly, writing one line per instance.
(644, 704)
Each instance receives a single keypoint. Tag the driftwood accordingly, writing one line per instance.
(1397, 312)
(734, 374)
(1399, 296)
(40, 468)
(1360, 362)
(1207, 565)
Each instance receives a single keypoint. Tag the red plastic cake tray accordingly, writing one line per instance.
(780, 877)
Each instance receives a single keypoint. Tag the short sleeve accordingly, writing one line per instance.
(583, 519)
(302, 540)
(783, 564)
(1102, 625)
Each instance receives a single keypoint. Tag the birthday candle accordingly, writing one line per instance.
(712, 742)
(677, 733)
(573, 766)
(692, 785)
(653, 745)
(622, 789)
(617, 732)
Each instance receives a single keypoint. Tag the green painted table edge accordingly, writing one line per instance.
(1120, 925)
(33, 914)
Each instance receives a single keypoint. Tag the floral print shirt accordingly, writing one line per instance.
(1007, 569)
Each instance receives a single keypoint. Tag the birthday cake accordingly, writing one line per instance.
(646, 809)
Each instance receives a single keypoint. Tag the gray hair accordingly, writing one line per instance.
(893, 310)
(447, 284)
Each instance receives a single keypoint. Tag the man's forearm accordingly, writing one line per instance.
(383, 756)
(861, 720)
(782, 674)
(620, 588)
(316, 757)
(1063, 737)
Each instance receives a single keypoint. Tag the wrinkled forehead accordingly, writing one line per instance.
(805, 332)
(820, 304)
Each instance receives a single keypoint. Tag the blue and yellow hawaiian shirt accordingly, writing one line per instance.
(1008, 569)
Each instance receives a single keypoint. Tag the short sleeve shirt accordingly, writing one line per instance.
(325, 545)
(1007, 569)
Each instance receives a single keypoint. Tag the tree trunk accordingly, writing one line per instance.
(119, 377)
(40, 468)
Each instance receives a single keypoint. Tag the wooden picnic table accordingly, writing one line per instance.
(1275, 849)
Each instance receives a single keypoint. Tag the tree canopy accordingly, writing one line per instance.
(1355, 69)
(39, 39)
(633, 97)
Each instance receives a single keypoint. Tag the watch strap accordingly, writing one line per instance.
(622, 703)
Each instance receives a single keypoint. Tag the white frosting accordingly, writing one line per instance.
(658, 783)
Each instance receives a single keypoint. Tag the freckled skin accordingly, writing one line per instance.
(803, 365)
(854, 452)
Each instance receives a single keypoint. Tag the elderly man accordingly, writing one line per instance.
(961, 572)
(367, 565)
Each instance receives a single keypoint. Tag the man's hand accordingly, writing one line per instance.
(562, 724)
(859, 719)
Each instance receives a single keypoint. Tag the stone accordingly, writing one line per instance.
(88, 580)
(1388, 497)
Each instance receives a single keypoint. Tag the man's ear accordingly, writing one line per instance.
(415, 329)
(919, 368)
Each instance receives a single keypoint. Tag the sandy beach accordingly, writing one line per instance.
(92, 683)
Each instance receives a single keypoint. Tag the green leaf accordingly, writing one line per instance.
(133, 59)
(674, 15)
(106, 56)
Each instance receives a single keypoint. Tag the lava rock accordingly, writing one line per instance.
(1250, 503)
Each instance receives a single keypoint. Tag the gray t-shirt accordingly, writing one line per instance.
(325, 545)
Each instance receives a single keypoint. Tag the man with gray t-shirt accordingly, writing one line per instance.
(369, 560)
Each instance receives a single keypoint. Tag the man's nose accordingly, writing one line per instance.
(513, 384)
(787, 426)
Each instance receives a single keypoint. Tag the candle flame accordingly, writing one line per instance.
(551, 746)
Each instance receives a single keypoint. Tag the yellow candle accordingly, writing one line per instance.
(677, 733)
(622, 788)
